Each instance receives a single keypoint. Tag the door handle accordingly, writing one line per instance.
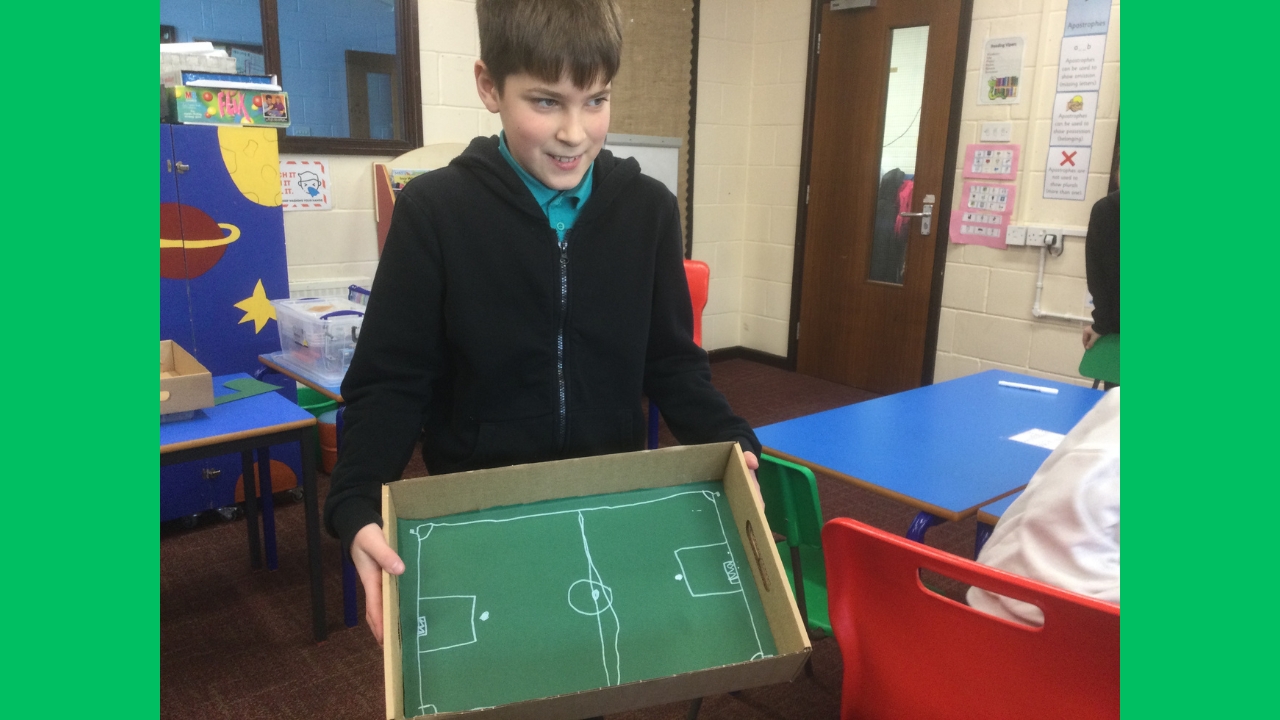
(182, 167)
(926, 217)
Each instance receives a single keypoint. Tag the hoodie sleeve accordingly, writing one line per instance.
(677, 373)
(388, 386)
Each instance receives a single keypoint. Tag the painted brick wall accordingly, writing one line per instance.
(987, 294)
(751, 72)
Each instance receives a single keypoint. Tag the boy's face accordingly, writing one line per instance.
(554, 130)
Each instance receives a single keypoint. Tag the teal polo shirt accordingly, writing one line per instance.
(561, 206)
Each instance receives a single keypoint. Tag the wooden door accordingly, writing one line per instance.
(879, 133)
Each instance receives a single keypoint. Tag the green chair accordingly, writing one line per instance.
(1102, 361)
(791, 506)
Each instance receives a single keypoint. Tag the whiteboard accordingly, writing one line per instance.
(659, 157)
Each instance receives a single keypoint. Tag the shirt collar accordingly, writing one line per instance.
(541, 193)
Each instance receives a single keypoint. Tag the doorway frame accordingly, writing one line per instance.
(943, 216)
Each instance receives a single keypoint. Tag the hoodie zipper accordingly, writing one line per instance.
(560, 371)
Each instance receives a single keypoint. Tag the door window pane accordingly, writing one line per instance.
(898, 154)
(318, 41)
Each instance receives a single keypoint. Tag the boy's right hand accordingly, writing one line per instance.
(1090, 337)
(371, 555)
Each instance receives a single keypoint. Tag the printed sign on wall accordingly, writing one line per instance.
(1075, 105)
(1067, 173)
(305, 184)
(1001, 71)
(1080, 63)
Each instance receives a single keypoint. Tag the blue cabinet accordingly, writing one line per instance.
(222, 260)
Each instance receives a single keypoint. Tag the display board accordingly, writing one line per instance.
(528, 601)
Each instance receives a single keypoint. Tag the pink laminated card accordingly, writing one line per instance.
(983, 217)
(994, 161)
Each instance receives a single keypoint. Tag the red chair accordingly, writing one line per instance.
(910, 653)
(698, 275)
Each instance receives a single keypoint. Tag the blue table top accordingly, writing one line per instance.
(256, 415)
(943, 448)
(299, 373)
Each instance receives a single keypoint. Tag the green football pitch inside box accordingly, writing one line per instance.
(584, 587)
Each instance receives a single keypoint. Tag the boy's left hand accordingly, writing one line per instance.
(753, 464)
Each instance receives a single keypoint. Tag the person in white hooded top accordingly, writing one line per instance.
(1065, 528)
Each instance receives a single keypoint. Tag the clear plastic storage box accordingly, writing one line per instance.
(318, 335)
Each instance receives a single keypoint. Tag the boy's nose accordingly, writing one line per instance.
(572, 133)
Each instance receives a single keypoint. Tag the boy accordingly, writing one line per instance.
(528, 293)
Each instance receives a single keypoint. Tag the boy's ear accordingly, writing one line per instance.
(486, 87)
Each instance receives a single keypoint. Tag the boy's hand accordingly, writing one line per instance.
(753, 464)
(1090, 337)
(371, 555)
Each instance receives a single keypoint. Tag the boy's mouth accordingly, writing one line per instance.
(565, 162)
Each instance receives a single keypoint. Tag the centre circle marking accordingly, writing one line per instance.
(597, 589)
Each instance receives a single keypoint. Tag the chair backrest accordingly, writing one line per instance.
(791, 505)
(698, 274)
(911, 653)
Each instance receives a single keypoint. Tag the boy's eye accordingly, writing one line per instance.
(544, 102)
(597, 102)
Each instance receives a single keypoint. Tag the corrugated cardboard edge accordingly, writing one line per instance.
(518, 484)
(392, 652)
(766, 565)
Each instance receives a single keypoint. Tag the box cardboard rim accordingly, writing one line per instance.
(191, 388)
(785, 624)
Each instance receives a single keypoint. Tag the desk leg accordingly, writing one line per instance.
(251, 507)
(921, 525)
(349, 617)
(980, 538)
(268, 508)
(311, 508)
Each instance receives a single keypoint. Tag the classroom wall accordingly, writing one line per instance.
(750, 111)
(987, 294)
(341, 243)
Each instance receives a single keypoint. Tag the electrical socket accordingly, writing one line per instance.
(1015, 235)
(1044, 236)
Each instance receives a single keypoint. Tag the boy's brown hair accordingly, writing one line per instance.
(547, 38)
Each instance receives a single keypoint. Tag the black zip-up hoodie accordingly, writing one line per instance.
(496, 345)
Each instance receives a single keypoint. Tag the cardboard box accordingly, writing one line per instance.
(430, 497)
(185, 384)
(226, 106)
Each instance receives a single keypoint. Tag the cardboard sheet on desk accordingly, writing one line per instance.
(609, 589)
(244, 387)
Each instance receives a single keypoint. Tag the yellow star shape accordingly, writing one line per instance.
(257, 308)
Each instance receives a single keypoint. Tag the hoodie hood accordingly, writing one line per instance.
(483, 160)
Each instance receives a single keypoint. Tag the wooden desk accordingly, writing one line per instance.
(988, 516)
(943, 449)
(246, 425)
(280, 363)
